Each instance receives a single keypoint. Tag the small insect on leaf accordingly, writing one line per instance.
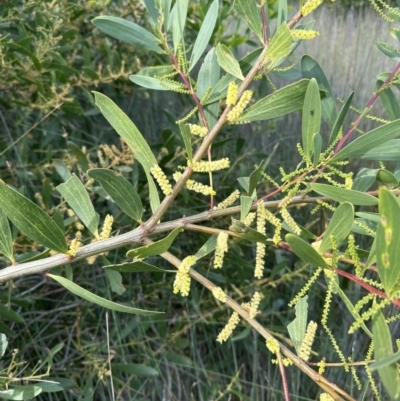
(311, 112)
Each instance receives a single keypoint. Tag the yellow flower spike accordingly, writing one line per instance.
(208, 167)
(221, 248)
(255, 302)
(260, 247)
(308, 340)
(195, 186)
(228, 329)
(310, 6)
(325, 397)
(228, 201)
(75, 244)
(231, 97)
(302, 34)
(162, 179)
(236, 112)
(321, 366)
(249, 219)
(272, 345)
(107, 227)
(182, 283)
(289, 221)
(182, 279)
(198, 130)
(219, 294)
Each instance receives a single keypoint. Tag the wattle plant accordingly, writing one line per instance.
(219, 96)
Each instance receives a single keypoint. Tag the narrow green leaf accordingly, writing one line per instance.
(89, 296)
(383, 348)
(153, 193)
(187, 139)
(6, 242)
(52, 387)
(156, 248)
(339, 226)
(283, 101)
(339, 119)
(151, 78)
(151, 8)
(389, 51)
(317, 148)
(251, 14)
(350, 306)
(282, 12)
(9, 315)
(135, 369)
(389, 101)
(254, 178)
(279, 45)
(179, 22)
(128, 32)
(204, 34)
(115, 281)
(386, 177)
(389, 151)
(364, 179)
(120, 190)
(167, 10)
(368, 141)
(135, 267)
(154, 83)
(388, 240)
(208, 247)
(385, 362)
(75, 193)
(208, 78)
(248, 233)
(127, 130)
(311, 121)
(297, 328)
(305, 251)
(344, 195)
(311, 69)
(245, 206)
(227, 61)
(31, 219)
(80, 156)
(20, 392)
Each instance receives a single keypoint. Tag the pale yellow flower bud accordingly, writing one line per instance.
(255, 302)
(221, 248)
(249, 219)
(107, 227)
(307, 343)
(228, 329)
(302, 34)
(325, 397)
(219, 294)
(228, 201)
(198, 130)
(310, 6)
(231, 97)
(236, 112)
(207, 167)
(272, 345)
(195, 186)
(162, 179)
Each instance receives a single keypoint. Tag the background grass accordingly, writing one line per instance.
(178, 356)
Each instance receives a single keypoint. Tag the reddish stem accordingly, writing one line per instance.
(368, 287)
(192, 93)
